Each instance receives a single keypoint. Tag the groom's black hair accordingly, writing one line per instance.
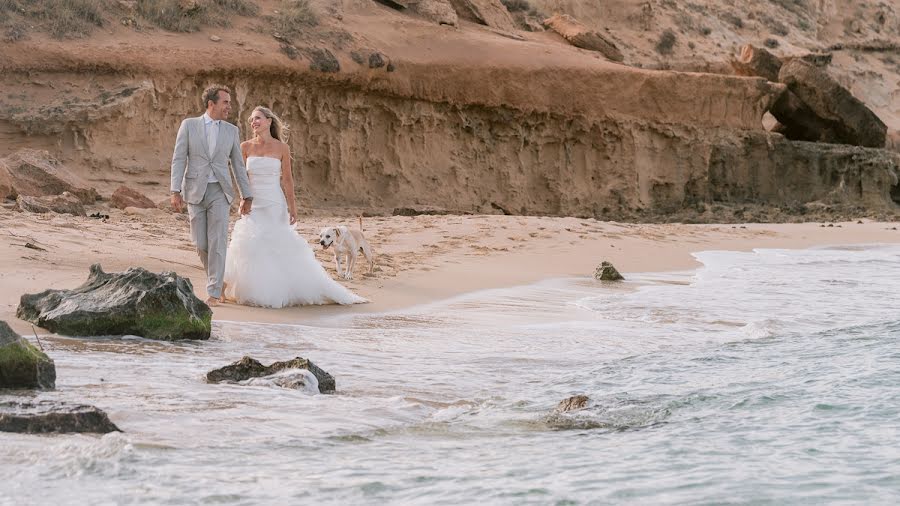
(212, 93)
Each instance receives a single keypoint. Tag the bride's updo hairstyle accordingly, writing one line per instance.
(278, 128)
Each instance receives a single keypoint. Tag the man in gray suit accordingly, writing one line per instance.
(200, 170)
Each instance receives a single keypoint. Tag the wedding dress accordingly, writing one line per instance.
(268, 263)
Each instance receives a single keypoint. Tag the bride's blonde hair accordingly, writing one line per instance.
(278, 128)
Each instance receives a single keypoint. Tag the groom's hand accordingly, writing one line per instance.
(245, 206)
(177, 202)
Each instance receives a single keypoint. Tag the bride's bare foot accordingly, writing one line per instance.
(212, 301)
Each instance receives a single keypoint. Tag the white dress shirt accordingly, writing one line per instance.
(212, 135)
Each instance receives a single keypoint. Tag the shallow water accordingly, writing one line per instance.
(764, 377)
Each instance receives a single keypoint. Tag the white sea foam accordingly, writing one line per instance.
(768, 375)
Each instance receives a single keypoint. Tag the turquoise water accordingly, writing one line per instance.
(767, 377)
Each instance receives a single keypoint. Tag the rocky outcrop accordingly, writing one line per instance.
(756, 62)
(128, 197)
(849, 120)
(44, 417)
(438, 11)
(134, 302)
(248, 368)
(36, 173)
(800, 121)
(606, 272)
(60, 204)
(814, 107)
(581, 36)
(486, 12)
(21, 364)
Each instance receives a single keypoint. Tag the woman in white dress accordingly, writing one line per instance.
(268, 263)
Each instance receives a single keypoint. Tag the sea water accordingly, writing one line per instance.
(763, 377)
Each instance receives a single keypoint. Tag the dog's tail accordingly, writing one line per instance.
(360, 223)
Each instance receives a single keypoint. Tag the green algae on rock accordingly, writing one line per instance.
(135, 302)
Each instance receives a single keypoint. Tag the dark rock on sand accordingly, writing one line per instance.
(135, 302)
(606, 272)
(21, 364)
(247, 368)
(53, 417)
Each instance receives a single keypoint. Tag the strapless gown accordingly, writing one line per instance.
(268, 263)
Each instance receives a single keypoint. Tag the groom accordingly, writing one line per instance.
(200, 170)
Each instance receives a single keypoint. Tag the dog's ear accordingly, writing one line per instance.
(337, 231)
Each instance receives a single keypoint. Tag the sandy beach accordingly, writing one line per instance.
(420, 259)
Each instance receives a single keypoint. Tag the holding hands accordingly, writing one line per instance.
(246, 204)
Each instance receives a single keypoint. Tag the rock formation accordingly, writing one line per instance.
(22, 365)
(128, 197)
(581, 36)
(61, 204)
(756, 62)
(486, 12)
(606, 272)
(36, 173)
(134, 302)
(439, 11)
(814, 107)
(573, 403)
(43, 417)
(850, 121)
(247, 368)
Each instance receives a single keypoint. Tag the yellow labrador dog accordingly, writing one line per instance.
(347, 245)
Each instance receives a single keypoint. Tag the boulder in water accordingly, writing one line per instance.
(135, 302)
(21, 364)
(573, 403)
(52, 417)
(606, 272)
(247, 368)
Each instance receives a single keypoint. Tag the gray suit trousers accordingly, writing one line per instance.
(209, 231)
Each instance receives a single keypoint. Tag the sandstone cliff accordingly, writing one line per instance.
(469, 118)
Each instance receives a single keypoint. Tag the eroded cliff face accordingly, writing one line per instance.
(383, 146)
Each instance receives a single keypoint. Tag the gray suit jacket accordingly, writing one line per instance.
(192, 163)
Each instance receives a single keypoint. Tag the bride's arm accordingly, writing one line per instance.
(287, 182)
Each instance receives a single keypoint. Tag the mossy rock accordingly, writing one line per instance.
(248, 367)
(606, 272)
(135, 302)
(22, 365)
(43, 417)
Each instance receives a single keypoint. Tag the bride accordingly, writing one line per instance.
(268, 263)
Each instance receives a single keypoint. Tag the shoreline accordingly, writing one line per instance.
(419, 259)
